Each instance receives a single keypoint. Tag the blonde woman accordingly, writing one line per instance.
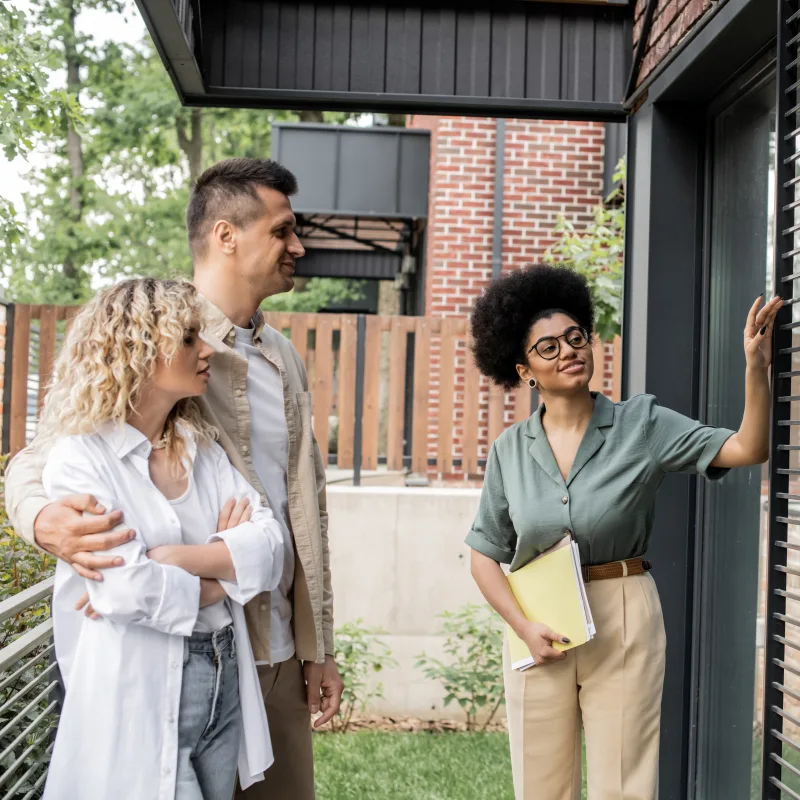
(162, 694)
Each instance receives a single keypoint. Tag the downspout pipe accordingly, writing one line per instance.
(499, 194)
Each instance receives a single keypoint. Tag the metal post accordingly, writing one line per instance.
(361, 337)
(8, 362)
(499, 194)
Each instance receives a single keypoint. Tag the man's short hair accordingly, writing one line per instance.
(228, 191)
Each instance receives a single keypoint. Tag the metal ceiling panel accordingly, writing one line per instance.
(506, 58)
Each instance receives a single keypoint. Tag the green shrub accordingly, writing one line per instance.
(359, 655)
(472, 672)
(21, 566)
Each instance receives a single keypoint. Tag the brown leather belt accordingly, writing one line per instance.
(616, 569)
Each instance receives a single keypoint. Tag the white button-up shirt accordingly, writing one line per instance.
(118, 732)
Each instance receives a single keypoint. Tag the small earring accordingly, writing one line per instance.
(532, 383)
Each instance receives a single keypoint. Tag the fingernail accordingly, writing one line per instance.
(763, 330)
(131, 535)
(565, 640)
(101, 509)
(118, 562)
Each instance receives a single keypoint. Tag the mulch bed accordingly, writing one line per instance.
(414, 725)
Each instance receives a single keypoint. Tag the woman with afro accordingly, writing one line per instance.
(588, 468)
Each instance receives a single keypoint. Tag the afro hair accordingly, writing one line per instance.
(505, 312)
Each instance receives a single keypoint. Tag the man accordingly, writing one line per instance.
(243, 242)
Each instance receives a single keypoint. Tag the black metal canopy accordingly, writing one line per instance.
(522, 58)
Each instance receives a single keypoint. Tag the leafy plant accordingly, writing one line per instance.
(597, 255)
(472, 672)
(360, 654)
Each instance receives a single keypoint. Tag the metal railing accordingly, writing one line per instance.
(30, 697)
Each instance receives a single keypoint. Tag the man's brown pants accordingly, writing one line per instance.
(291, 777)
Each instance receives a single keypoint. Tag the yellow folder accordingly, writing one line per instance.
(550, 590)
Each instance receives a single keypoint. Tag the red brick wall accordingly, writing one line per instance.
(551, 169)
(672, 21)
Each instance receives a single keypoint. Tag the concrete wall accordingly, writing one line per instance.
(398, 560)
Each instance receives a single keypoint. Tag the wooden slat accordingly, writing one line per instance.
(397, 392)
(372, 394)
(47, 349)
(70, 313)
(472, 378)
(596, 383)
(273, 319)
(19, 377)
(347, 390)
(616, 392)
(523, 402)
(497, 407)
(299, 328)
(323, 382)
(447, 370)
(422, 355)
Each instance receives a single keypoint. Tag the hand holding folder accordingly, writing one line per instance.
(550, 590)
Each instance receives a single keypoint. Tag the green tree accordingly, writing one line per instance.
(112, 197)
(597, 254)
(28, 107)
(315, 294)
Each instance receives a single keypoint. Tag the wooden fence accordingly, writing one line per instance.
(402, 391)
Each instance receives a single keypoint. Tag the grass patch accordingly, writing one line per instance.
(425, 766)
(439, 766)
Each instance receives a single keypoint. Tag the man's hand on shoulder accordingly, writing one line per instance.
(62, 530)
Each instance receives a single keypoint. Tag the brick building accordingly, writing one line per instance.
(550, 169)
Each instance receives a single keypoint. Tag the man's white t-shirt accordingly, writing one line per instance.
(269, 445)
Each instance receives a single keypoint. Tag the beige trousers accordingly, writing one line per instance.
(291, 777)
(611, 687)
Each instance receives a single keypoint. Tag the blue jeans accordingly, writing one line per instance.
(209, 723)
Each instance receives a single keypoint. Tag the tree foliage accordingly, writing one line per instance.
(597, 254)
(28, 106)
(110, 200)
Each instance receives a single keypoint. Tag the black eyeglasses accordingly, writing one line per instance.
(548, 347)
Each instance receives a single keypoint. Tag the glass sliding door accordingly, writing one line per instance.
(729, 596)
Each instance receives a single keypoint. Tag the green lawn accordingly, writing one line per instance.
(437, 766)
(422, 766)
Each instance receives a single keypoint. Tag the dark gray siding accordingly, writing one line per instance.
(506, 57)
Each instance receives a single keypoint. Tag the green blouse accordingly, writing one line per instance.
(608, 499)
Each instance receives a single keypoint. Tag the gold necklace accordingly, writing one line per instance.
(160, 444)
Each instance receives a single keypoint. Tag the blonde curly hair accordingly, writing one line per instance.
(111, 352)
